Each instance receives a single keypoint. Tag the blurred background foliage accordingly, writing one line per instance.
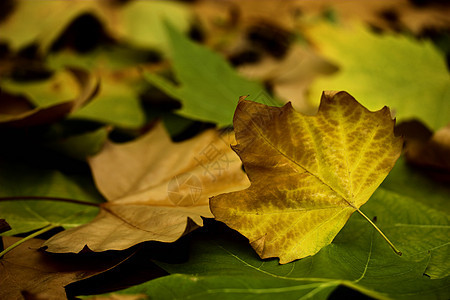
(73, 73)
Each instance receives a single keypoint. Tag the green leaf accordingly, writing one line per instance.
(81, 146)
(139, 23)
(117, 103)
(229, 269)
(143, 22)
(176, 124)
(110, 57)
(28, 215)
(53, 98)
(358, 258)
(417, 218)
(40, 22)
(407, 75)
(410, 182)
(209, 87)
(60, 87)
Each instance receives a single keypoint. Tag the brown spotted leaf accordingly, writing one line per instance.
(157, 190)
(308, 174)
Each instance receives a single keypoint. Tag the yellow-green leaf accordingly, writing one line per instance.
(308, 173)
(40, 22)
(409, 76)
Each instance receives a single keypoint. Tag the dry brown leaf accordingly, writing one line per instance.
(154, 187)
(38, 275)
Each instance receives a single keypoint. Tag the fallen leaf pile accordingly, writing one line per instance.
(179, 150)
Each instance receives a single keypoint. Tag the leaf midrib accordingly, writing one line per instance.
(288, 211)
(296, 163)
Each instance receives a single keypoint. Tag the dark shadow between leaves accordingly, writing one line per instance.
(137, 268)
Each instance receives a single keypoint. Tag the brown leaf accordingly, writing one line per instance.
(157, 190)
(27, 271)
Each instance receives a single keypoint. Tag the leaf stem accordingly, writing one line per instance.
(19, 242)
(49, 199)
(380, 232)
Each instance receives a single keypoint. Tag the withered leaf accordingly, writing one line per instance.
(27, 270)
(157, 190)
(308, 174)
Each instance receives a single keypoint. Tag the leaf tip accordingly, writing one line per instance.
(242, 98)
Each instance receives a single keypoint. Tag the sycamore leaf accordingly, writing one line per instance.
(223, 266)
(154, 187)
(26, 271)
(308, 173)
(409, 76)
(208, 85)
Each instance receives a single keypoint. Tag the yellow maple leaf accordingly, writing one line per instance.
(308, 173)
